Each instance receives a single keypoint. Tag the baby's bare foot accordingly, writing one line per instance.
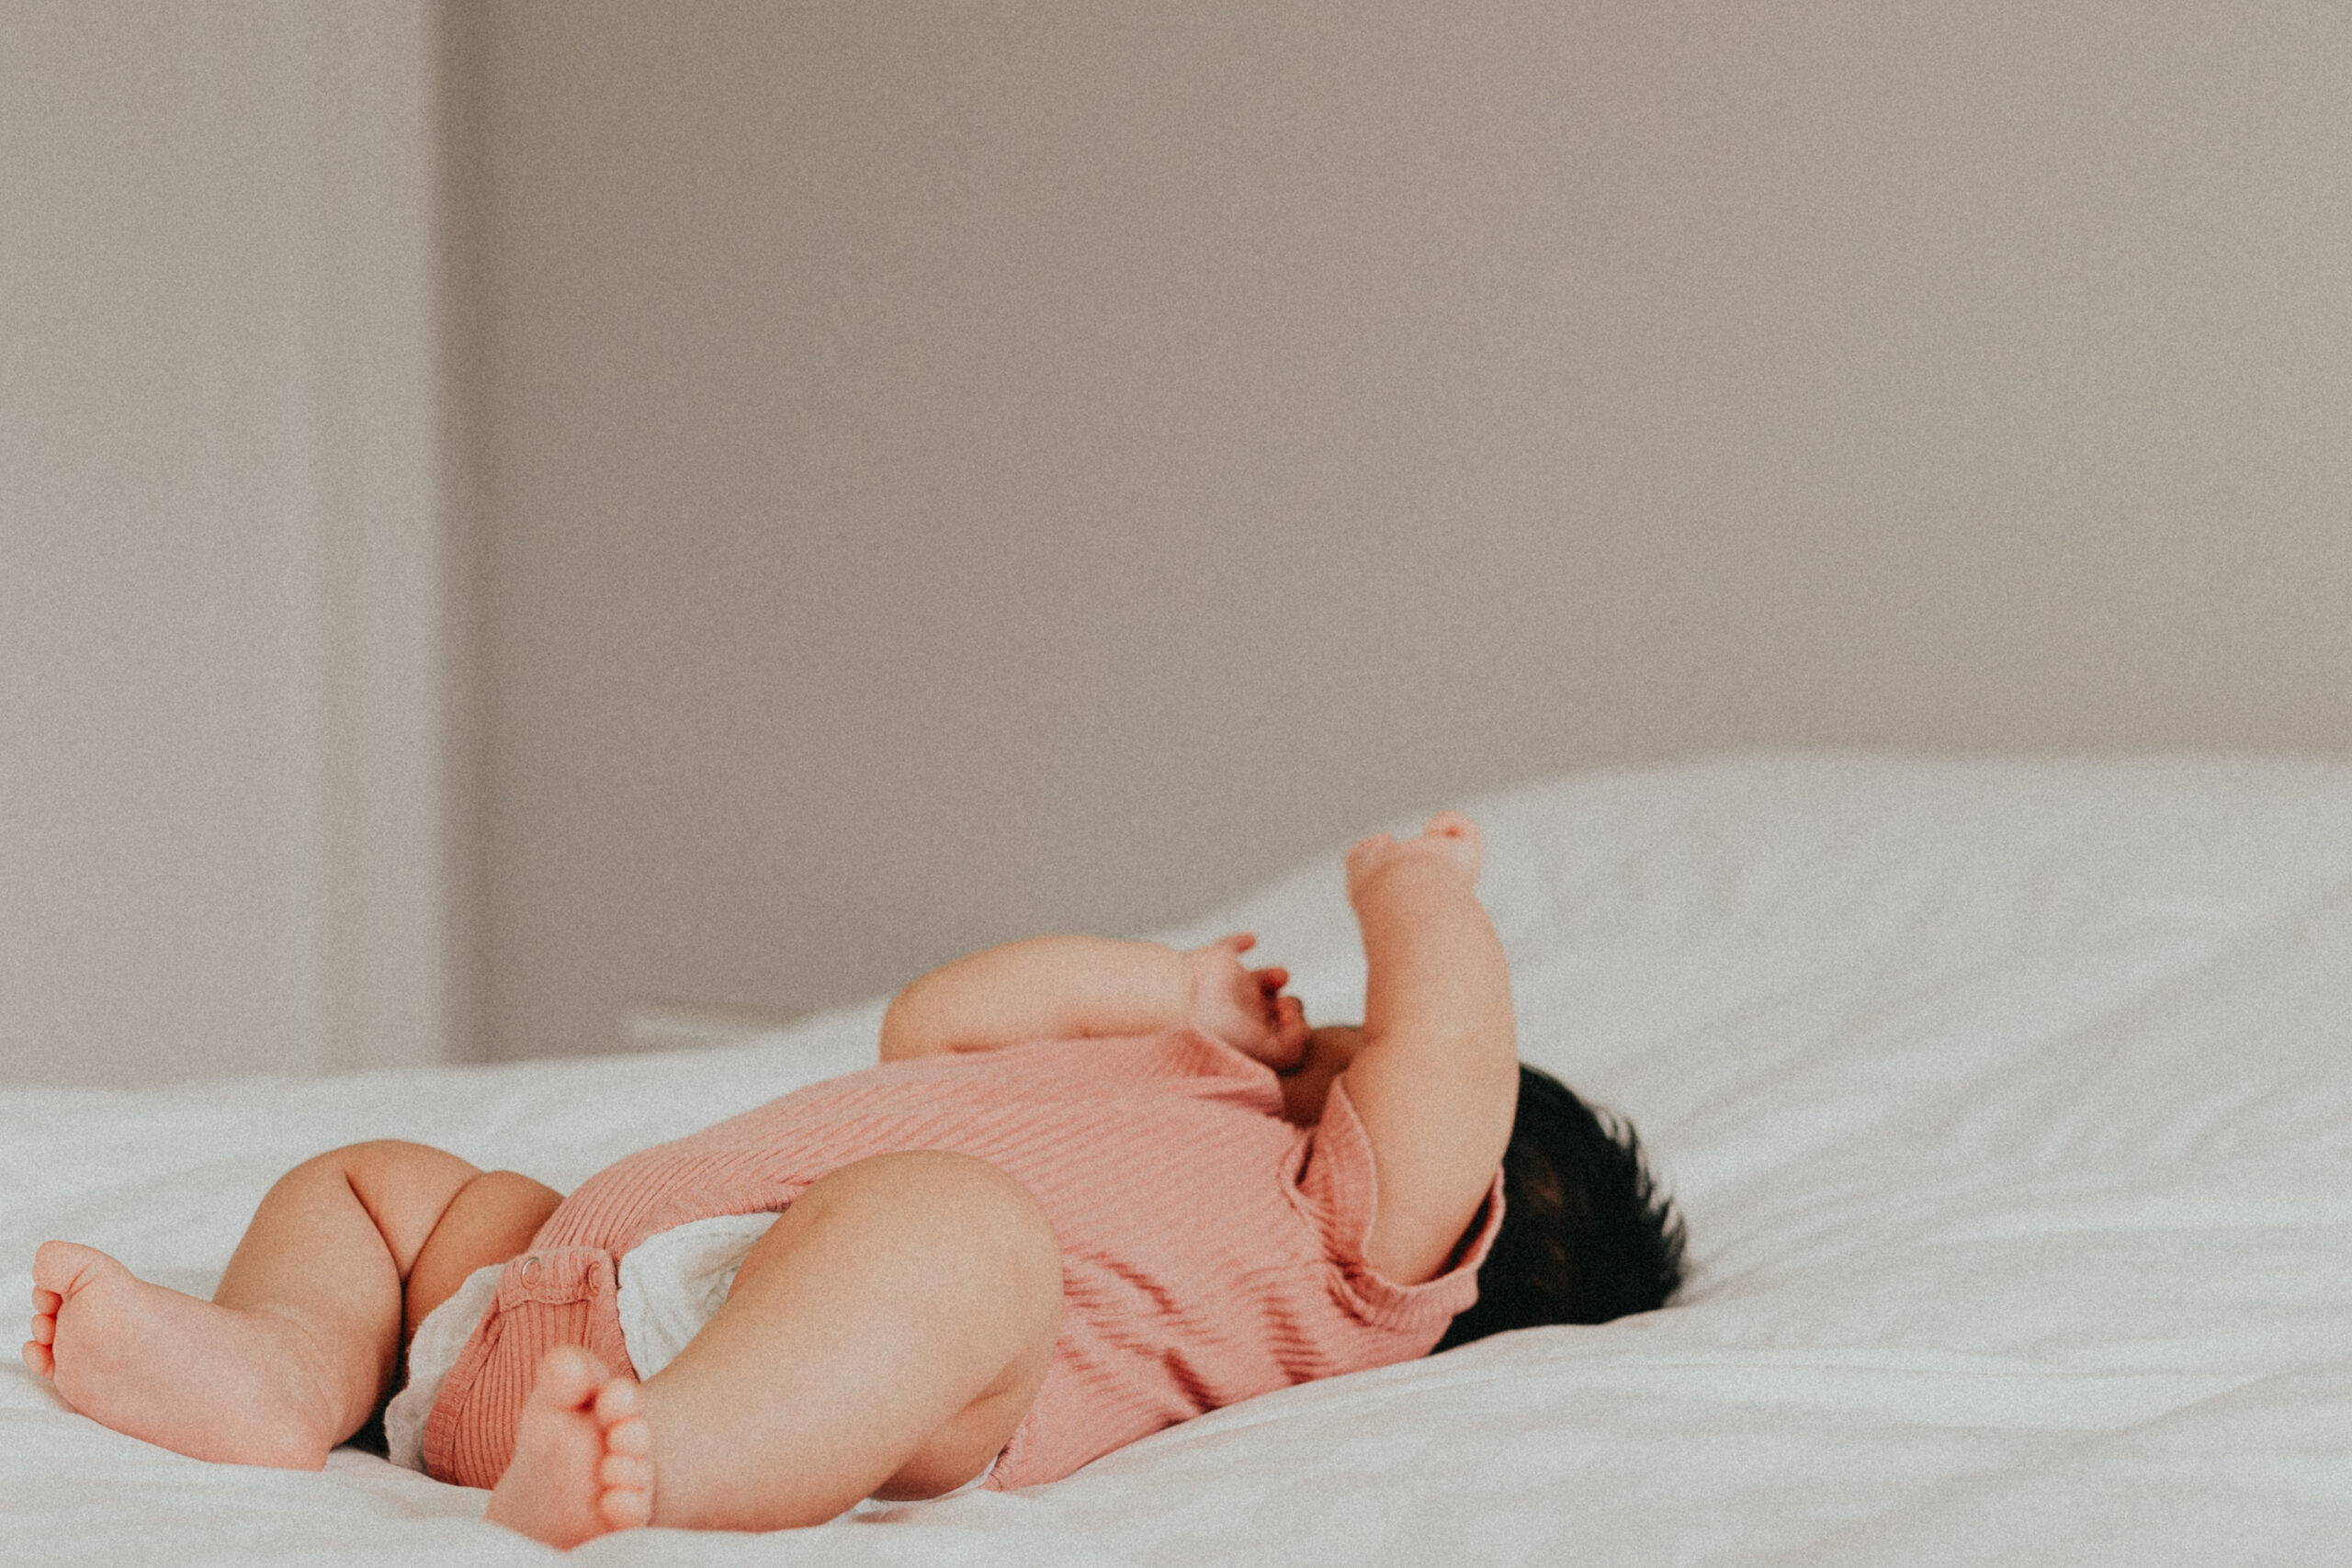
(164, 1366)
(582, 1462)
(1449, 835)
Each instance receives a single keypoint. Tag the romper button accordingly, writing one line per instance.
(531, 1267)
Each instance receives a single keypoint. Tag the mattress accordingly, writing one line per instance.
(2009, 1104)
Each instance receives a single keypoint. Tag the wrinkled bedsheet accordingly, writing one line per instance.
(2010, 1104)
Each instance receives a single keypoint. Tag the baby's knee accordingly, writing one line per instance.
(956, 1207)
(976, 1191)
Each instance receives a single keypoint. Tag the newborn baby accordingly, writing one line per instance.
(1094, 1188)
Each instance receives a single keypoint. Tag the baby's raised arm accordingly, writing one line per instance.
(1436, 1080)
(1075, 987)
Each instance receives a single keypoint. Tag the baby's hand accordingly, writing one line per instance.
(1449, 839)
(1245, 1008)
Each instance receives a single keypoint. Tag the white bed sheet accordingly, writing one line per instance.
(2010, 1104)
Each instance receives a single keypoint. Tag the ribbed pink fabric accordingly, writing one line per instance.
(1211, 1251)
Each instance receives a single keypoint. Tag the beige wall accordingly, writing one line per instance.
(226, 787)
(936, 473)
(953, 470)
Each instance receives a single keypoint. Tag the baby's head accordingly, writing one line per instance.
(1586, 1235)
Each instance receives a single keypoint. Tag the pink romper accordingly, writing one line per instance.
(1211, 1250)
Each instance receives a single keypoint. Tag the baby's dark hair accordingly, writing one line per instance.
(1586, 1235)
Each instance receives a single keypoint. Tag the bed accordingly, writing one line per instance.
(2010, 1105)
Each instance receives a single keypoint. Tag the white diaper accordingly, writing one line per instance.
(431, 1354)
(668, 1286)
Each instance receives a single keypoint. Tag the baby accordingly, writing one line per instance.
(1094, 1189)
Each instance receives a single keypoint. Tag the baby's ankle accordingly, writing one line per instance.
(319, 1407)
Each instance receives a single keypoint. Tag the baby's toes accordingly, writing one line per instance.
(627, 1470)
(625, 1508)
(631, 1437)
(625, 1476)
(65, 1269)
(38, 1354)
(616, 1403)
(568, 1378)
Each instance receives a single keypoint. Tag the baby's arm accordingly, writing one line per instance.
(1436, 1078)
(1057, 988)
(1076, 988)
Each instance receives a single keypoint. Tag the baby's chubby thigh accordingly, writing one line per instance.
(493, 1218)
(884, 1338)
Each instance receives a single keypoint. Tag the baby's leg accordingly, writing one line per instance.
(299, 1343)
(884, 1338)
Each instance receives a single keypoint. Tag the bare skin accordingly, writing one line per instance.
(1435, 1079)
(889, 1334)
(883, 1339)
(904, 1365)
(1093, 988)
(298, 1346)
